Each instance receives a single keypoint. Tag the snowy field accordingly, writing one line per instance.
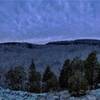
(19, 95)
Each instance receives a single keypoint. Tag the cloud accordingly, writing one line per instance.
(46, 20)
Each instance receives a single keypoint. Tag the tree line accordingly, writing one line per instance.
(77, 76)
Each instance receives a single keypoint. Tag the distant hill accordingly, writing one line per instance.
(74, 42)
(53, 53)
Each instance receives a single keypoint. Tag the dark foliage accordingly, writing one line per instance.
(90, 68)
(65, 74)
(33, 79)
(50, 80)
(15, 78)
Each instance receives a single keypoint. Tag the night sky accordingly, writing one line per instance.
(48, 20)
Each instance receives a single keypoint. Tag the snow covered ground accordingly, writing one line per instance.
(6, 94)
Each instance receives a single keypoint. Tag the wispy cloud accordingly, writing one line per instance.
(46, 20)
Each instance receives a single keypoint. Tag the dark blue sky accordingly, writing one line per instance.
(49, 20)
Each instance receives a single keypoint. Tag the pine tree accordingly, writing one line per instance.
(65, 74)
(97, 74)
(50, 80)
(77, 64)
(15, 78)
(33, 79)
(77, 84)
(90, 65)
(9, 79)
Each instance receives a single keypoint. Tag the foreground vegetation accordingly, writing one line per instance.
(76, 75)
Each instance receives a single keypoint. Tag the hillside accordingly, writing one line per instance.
(53, 53)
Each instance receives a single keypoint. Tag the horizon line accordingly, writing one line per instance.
(43, 43)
